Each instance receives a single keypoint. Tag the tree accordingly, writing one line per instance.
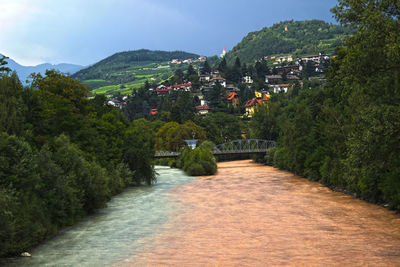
(171, 136)
(190, 71)
(222, 66)
(206, 67)
(2, 63)
(367, 74)
(221, 127)
(12, 108)
(178, 77)
(237, 63)
(215, 98)
(138, 152)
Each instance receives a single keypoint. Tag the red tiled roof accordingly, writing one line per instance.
(253, 102)
(163, 89)
(182, 85)
(217, 78)
(231, 95)
(154, 111)
(204, 107)
(278, 85)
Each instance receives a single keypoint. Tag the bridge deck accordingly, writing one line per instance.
(237, 147)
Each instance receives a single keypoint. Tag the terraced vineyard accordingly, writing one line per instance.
(124, 72)
(138, 74)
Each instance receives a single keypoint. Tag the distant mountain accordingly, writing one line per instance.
(24, 71)
(123, 61)
(289, 37)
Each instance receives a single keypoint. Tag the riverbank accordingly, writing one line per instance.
(249, 214)
(115, 232)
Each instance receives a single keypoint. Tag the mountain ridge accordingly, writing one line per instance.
(24, 71)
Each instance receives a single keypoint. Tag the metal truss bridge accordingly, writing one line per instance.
(242, 146)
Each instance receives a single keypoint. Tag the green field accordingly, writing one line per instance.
(133, 77)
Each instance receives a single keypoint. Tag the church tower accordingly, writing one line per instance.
(223, 52)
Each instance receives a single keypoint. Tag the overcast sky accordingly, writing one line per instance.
(86, 31)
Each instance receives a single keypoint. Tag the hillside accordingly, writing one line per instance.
(125, 71)
(299, 38)
(24, 71)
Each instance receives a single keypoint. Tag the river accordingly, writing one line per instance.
(246, 215)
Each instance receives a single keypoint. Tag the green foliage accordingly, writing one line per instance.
(220, 127)
(346, 134)
(138, 152)
(199, 161)
(62, 156)
(2, 63)
(302, 38)
(269, 156)
(11, 104)
(172, 135)
(216, 98)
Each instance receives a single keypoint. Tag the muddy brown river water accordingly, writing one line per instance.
(254, 215)
(246, 215)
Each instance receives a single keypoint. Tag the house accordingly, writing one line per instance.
(233, 99)
(115, 102)
(214, 73)
(278, 87)
(272, 78)
(252, 103)
(185, 87)
(176, 61)
(292, 78)
(204, 77)
(215, 80)
(287, 69)
(247, 79)
(163, 90)
(283, 59)
(202, 110)
(315, 58)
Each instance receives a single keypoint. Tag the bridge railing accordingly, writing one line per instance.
(166, 154)
(242, 146)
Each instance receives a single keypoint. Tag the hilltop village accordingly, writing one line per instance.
(236, 89)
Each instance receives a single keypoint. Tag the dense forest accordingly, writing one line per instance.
(346, 134)
(300, 38)
(62, 156)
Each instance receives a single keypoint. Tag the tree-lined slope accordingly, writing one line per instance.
(130, 69)
(289, 37)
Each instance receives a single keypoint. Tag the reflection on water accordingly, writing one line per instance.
(114, 233)
(253, 215)
(246, 215)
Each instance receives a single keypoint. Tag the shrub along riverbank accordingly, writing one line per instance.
(194, 162)
(62, 156)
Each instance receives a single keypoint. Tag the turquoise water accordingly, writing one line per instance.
(120, 230)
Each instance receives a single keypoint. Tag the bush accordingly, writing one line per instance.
(269, 156)
(281, 158)
(199, 161)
